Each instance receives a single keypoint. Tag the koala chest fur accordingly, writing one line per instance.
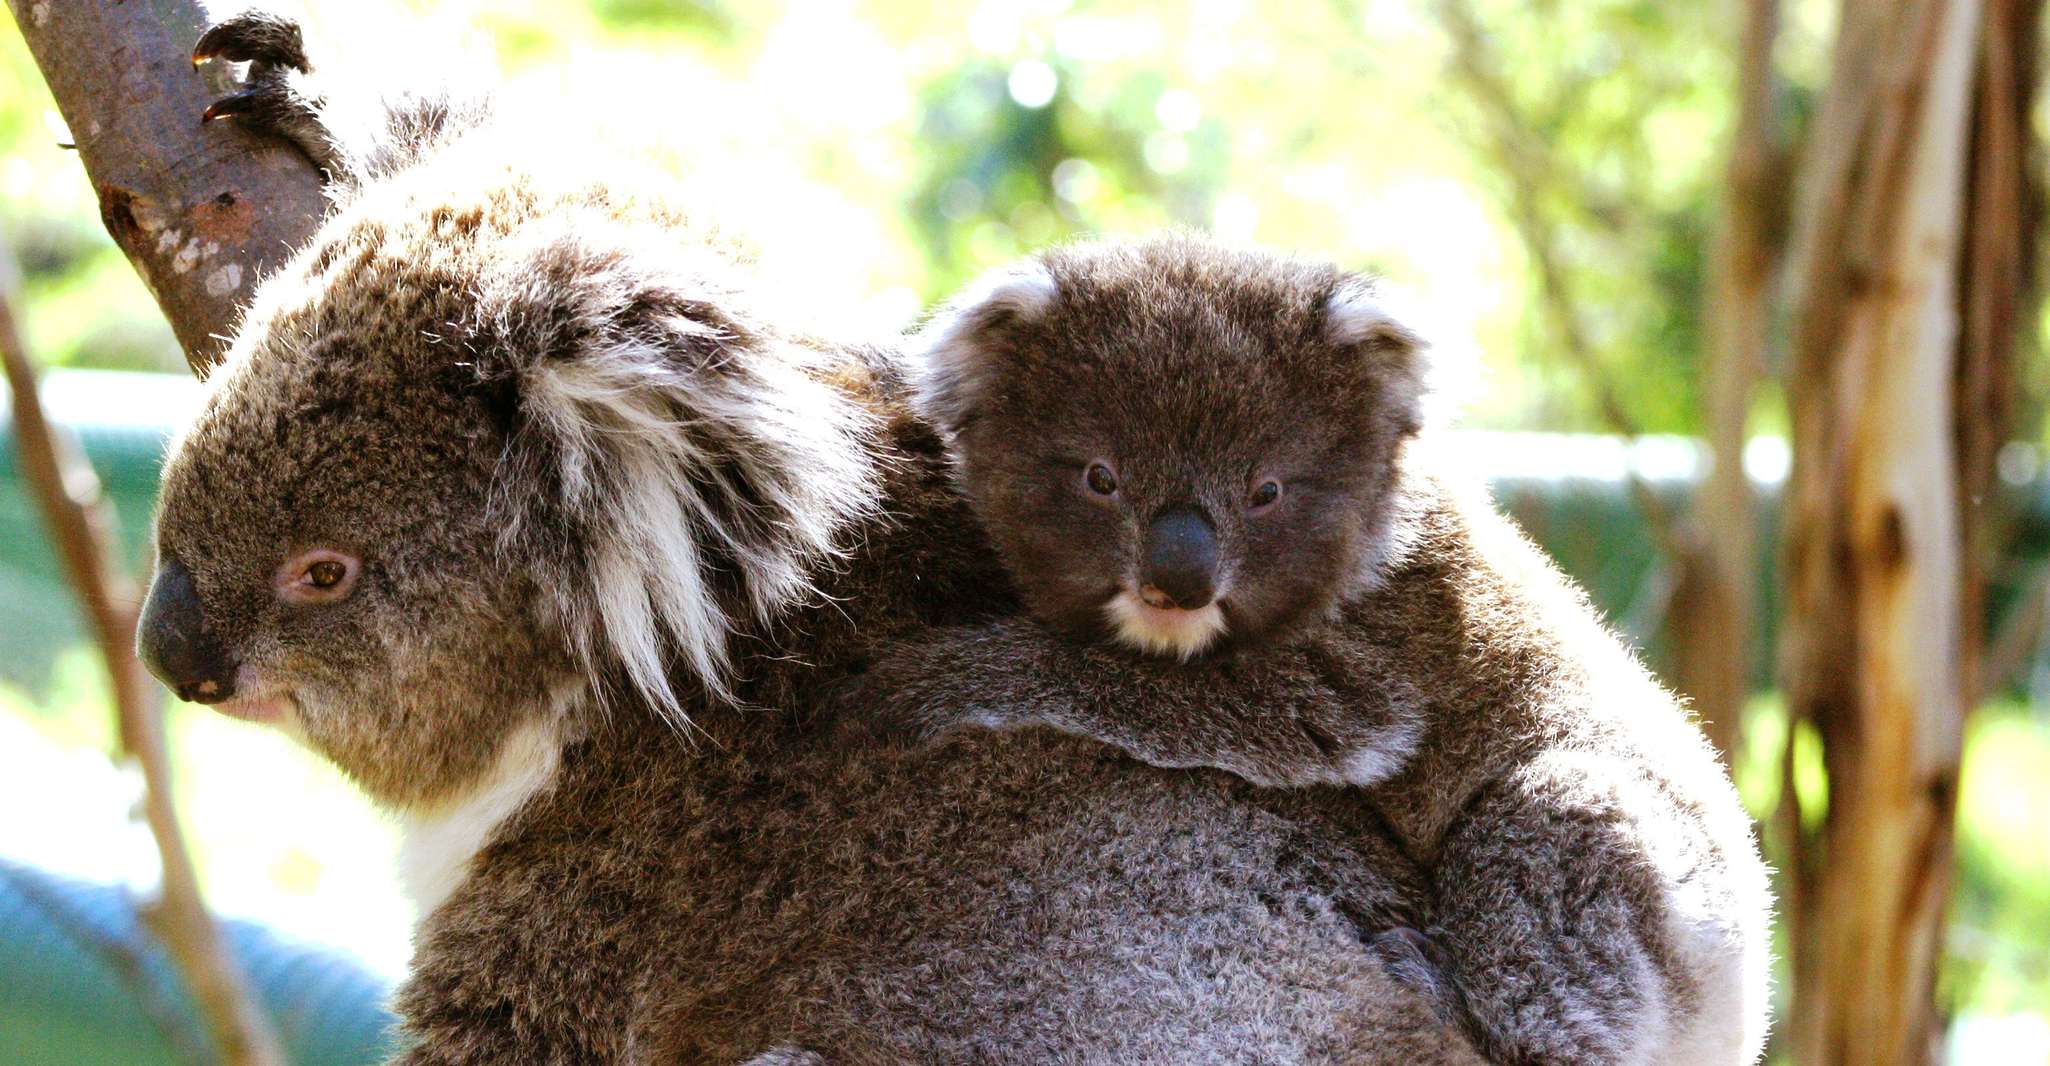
(437, 845)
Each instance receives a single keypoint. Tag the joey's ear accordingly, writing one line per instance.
(1356, 318)
(690, 466)
(957, 354)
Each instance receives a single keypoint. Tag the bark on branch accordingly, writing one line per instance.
(202, 210)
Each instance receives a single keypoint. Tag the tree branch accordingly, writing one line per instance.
(202, 210)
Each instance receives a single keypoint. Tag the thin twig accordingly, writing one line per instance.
(68, 493)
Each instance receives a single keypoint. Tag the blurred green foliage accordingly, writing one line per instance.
(1371, 131)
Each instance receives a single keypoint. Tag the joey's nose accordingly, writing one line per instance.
(175, 643)
(1181, 560)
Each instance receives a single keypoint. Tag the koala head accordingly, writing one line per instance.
(480, 447)
(1176, 445)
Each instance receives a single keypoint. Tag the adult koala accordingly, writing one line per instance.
(514, 500)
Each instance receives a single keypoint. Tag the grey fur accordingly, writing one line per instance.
(417, 388)
(1599, 897)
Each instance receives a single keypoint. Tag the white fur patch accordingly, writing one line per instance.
(439, 842)
(1718, 945)
(1732, 976)
(1356, 315)
(1183, 634)
(948, 352)
(680, 462)
(1390, 753)
(1650, 1040)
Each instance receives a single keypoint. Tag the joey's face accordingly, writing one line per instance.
(1174, 447)
(1171, 516)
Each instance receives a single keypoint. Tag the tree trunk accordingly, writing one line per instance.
(1875, 633)
(1711, 626)
(202, 210)
(1998, 268)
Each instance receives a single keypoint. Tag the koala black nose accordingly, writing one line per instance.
(1181, 560)
(175, 643)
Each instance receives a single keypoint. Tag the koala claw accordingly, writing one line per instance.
(254, 37)
(229, 106)
(277, 98)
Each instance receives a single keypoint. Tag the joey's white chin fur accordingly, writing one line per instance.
(440, 840)
(1183, 634)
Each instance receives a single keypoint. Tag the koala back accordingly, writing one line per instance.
(1014, 898)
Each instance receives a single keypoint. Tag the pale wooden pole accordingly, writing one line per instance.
(1874, 643)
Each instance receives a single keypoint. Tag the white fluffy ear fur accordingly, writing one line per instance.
(1355, 316)
(950, 354)
(704, 465)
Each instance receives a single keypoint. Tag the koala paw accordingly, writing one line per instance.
(254, 37)
(902, 707)
(1334, 749)
(274, 99)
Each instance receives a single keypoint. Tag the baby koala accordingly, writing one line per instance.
(1207, 473)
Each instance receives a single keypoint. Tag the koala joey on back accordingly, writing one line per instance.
(517, 499)
(1206, 471)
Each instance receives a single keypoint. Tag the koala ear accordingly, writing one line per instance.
(1356, 318)
(955, 354)
(688, 467)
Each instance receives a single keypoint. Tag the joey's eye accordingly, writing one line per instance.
(319, 576)
(1265, 496)
(1100, 480)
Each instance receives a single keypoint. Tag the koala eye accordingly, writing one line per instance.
(318, 576)
(1267, 495)
(1100, 480)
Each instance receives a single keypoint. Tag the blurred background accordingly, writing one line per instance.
(1643, 236)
